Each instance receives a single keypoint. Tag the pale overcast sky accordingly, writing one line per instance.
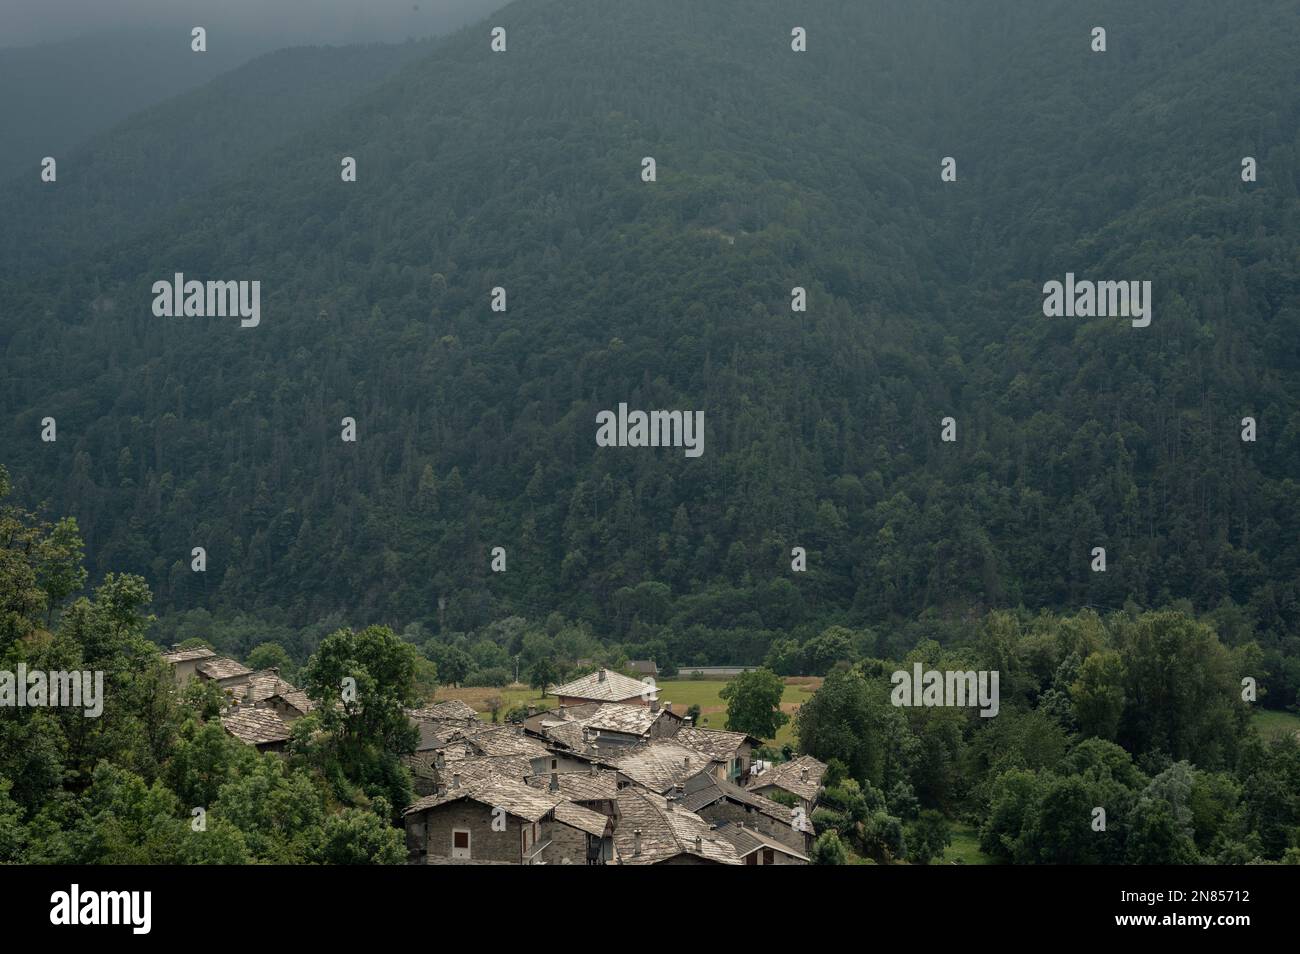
(24, 22)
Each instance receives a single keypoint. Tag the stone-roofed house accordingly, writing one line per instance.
(663, 764)
(185, 661)
(757, 848)
(225, 672)
(720, 802)
(503, 740)
(499, 819)
(290, 704)
(653, 831)
(604, 727)
(801, 777)
(262, 728)
(581, 835)
(593, 788)
(736, 749)
(605, 685)
(263, 685)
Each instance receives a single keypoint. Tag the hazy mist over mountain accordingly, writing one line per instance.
(282, 23)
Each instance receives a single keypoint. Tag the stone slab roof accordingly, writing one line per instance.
(255, 726)
(662, 764)
(495, 791)
(666, 832)
(722, 745)
(703, 791)
(222, 667)
(605, 685)
(801, 776)
(747, 840)
(186, 655)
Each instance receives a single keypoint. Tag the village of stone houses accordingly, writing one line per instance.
(611, 774)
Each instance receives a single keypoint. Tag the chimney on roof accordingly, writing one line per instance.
(440, 761)
(686, 762)
(455, 780)
(555, 782)
(679, 790)
(601, 675)
(593, 768)
(699, 842)
(654, 705)
(668, 706)
(276, 670)
(519, 728)
(803, 774)
(175, 647)
(636, 842)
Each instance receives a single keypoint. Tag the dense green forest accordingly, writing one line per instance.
(822, 170)
(1135, 714)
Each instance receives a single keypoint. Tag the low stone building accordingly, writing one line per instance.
(801, 777)
(663, 764)
(498, 819)
(652, 830)
(605, 685)
(735, 749)
(229, 674)
(184, 662)
(721, 802)
(757, 848)
(258, 727)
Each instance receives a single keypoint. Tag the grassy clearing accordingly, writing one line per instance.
(1275, 722)
(682, 693)
(965, 847)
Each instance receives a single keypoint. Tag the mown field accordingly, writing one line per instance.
(682, 693)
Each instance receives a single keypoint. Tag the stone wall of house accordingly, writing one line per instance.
(568, 845)
(430, 832)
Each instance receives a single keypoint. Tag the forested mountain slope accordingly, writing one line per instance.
(775, 169)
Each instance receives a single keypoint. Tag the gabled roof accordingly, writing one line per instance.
(574, 727)
(296, 698)
(801, 776)
(583, 819)
(475, 767)
(187, 655)
(266, 684)
(495, 791)
(504, 740)
(222, 667)
(705, 790)
(605, 685)
(255, 726)
(580, 786)
(451, 709)
(748, 840)
(662, 764)
(666, 832)
(720, 744)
